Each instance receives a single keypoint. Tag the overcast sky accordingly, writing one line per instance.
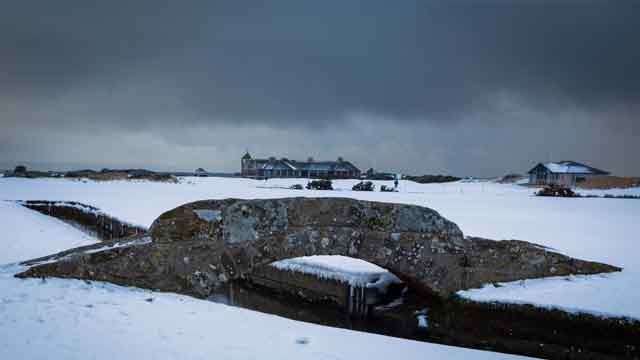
(467, 88)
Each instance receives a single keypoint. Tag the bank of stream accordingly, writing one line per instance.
(510, 328)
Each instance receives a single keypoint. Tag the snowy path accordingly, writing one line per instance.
(603, 230)
(73, 319)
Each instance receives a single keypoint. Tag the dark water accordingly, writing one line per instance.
(390, 320)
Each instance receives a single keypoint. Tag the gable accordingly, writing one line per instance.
(539, 169)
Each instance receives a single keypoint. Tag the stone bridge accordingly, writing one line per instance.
(201, 246)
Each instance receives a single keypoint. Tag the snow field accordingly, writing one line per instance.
(604, 230)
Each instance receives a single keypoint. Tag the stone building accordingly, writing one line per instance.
(282, 168)
(565, 173)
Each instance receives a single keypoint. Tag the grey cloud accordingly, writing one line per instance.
(159, 69)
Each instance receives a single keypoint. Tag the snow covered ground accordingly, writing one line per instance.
(26, 234)
(73, 319)
(594, 229)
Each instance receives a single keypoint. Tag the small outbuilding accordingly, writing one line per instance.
(564, 173)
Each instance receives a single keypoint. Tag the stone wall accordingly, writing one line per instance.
(89, 218)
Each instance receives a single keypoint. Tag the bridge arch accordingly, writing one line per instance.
(413, 242)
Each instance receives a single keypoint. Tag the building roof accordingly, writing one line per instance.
(246, 156)
(568, 167)
(323, 166)
(277, 165)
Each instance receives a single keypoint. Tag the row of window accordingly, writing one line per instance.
(291, 173)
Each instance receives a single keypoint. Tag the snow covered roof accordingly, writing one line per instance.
(278, 165)
(327, 166)
(286, 164)
(568, 167)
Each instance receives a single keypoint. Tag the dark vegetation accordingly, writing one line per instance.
(20, 169)
(380, 176)
(114, 174)
(22, 172)
(609, 182)
(609, 196)
(102, 175)
(371, 174)
(562, 191)
(510, 178)
(428, 179)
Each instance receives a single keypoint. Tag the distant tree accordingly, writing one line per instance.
(20, 169)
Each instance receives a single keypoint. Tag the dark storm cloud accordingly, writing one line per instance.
(287, 60)
(148, 65)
